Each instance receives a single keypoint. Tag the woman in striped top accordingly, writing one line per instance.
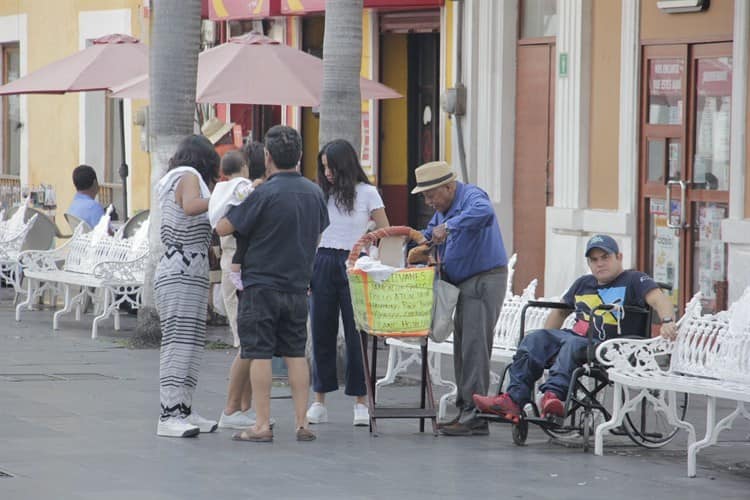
(181, 284)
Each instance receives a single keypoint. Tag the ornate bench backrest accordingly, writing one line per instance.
(507, 328)
(697, 350)
(11, 243)
(735, 347)
(86, 250)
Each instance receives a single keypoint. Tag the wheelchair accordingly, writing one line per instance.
(584, 406)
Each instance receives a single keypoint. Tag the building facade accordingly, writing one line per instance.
(45, 136)
(650, 143)
(582, 116)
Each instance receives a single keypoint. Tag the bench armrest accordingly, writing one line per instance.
(43, 260)
(126, 272)
(640, 355)
(11, 245)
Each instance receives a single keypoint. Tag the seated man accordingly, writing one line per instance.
(608, 283)
(84, 205)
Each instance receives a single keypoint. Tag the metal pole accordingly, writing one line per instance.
(459, 84)
(123, 166)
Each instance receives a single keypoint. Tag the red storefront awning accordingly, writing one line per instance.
(299, 7)
(225, 10)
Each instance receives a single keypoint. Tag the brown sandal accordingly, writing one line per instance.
(250, 435)
(304, 434)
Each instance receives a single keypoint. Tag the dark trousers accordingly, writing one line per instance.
(534, 353)
(330, 294)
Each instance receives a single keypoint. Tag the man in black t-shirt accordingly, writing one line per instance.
(608, 283)
(282, 222)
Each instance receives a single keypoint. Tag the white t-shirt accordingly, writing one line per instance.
(346, 228)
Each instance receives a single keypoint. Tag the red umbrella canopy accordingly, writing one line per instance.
(254, 69)
(110, 61)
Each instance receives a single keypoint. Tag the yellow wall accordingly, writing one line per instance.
(605, 97)
(393, 116)
(714, 22)
(52, 33)
(312, 37)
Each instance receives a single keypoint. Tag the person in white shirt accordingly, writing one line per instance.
(352, 202)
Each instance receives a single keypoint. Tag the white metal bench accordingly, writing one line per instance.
(12, 237)
(36, 233)
(710, 357)
(89, 262)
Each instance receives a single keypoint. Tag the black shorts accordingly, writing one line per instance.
(272, 323)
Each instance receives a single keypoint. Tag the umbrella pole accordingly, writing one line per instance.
(123, 166)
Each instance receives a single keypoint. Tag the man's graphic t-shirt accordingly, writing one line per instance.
(629, 288)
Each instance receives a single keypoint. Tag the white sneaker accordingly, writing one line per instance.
(204, 424)
(176, 427)
(238, 420)
(361, 415)
(317, 414)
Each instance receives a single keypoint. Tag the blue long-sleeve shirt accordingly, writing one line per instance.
(86, 208)
(474, 243)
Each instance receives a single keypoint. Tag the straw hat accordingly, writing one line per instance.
(214, 129)
(433, 174)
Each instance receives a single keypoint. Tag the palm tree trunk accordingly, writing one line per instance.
(175, 44)
(341, 103)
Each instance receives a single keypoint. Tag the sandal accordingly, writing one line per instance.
(252, 436)
(304, 434)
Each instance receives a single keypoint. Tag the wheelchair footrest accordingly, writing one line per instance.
(493, 417)
(549, 422)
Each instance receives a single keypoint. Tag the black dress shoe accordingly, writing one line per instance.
(473, 427)
(453, 421)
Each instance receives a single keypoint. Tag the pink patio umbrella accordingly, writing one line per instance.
(110, 61)
(254, 69)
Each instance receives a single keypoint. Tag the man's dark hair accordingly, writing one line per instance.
(84, 177)
(232, 162)
(196, 151)
(284, 145)
(255, 159)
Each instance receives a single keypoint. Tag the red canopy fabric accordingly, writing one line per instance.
(109, 61)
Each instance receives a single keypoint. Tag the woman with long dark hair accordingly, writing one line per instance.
(352, 202)
(181, 282)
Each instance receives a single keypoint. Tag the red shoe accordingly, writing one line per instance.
(500, 405)
(551, 405)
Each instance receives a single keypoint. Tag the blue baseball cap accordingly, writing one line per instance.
(602, 242)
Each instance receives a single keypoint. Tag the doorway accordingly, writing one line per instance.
(534, 156)
(684, 172)
(423, 114)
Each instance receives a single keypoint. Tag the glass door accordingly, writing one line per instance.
(684, 174)
(707, 196)
(662, 176)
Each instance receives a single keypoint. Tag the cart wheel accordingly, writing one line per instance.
(520, 432)
(587, 429)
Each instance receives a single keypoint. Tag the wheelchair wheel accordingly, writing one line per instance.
(587, 429)
(520, 432)
(649, 428)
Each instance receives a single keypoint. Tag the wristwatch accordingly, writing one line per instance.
(668, 319)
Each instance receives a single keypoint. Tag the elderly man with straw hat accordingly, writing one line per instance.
(471, 256)
(218, 133)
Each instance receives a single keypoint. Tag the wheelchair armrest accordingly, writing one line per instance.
(548, 305)
(542, 304)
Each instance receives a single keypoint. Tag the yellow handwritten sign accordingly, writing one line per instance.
(400, 305)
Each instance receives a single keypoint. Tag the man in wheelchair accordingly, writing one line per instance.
(558, 348)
